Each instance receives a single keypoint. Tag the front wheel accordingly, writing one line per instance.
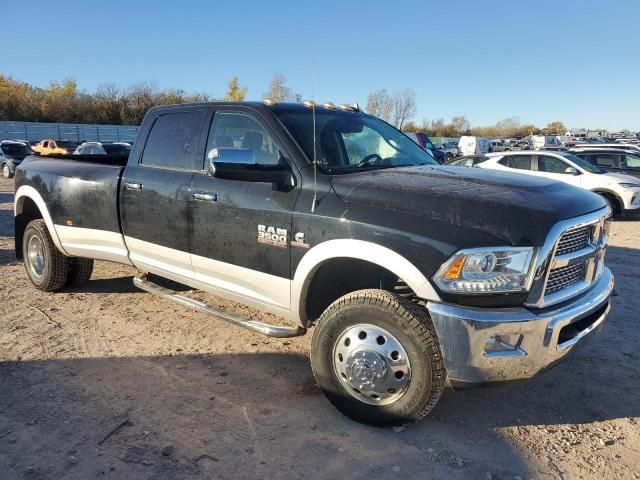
(376, 357)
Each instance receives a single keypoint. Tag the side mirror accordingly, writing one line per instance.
(240, 164)
(571, 171)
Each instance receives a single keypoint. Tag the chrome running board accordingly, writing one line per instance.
(142, 282)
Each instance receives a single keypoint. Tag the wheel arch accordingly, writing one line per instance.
(619, 208)
(347, 256)
(29, 205)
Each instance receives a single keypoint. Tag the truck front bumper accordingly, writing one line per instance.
(482, 345)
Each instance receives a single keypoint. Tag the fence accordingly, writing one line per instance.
(36, 131)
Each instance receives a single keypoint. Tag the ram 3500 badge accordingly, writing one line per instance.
(413, 275)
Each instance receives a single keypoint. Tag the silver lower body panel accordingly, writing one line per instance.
(497, 345)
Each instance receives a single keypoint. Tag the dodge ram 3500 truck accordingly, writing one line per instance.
(414, 275)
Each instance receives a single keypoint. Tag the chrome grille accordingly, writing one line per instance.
(574, 240)
(571, 259)
(563, 277)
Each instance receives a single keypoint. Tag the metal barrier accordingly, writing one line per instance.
(36, 131)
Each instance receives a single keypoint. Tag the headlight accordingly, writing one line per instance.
(487, 270)
(629, 185)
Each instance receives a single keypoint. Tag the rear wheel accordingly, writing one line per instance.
(80, 270)
(377, 359)
(46, 266)
(6, 172)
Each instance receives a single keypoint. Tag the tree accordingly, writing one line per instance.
(459, 126)
(235, 93)
(403, 107)
(278, 90)
(554, 128)
(379, 104)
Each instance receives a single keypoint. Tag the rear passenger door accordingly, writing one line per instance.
(240, 244)
(155, 194)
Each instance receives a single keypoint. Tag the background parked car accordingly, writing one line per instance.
(11, 155)
(619, 146)
(450, 150)
(50, 147)
(469, 145)
(612, 159)
(499, 146)
(467, 160)
(103, 148)
(423, 140)
(622, 192)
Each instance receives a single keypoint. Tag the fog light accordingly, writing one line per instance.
(504, 345)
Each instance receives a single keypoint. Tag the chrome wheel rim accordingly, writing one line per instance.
(5, 170)
(371, 364)
(35, 256)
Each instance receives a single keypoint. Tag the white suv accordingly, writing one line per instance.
(622, 192)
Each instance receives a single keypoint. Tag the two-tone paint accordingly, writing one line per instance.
(189, 226)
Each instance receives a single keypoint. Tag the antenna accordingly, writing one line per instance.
(313, 115)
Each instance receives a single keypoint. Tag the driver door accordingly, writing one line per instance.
(241, 230)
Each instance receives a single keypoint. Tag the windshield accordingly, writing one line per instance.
(586, 166)
(16, 149)
(67, 144)
(117, 149)
(349, 142)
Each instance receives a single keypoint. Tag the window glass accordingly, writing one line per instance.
(551, 164)
(521, 162)
(605, 159)
(173, 140)
(631, 161)
(238, 130)
(348, 142)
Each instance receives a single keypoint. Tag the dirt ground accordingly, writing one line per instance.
(110, 382)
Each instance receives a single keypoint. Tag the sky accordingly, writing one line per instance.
(573, 61)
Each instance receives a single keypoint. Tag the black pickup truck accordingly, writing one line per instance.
(413, 275)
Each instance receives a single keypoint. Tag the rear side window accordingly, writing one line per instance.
(551, 164)
(173, 140)
(520, 162)
(605, 159)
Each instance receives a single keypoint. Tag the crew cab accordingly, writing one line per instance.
(413, 275)
(621, 192)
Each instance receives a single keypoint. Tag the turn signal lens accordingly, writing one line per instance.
(454, 270)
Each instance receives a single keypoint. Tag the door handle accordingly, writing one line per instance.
(132, 186)
(206, 197)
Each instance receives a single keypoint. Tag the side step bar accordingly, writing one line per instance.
(142, 282)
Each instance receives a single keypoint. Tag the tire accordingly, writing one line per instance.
(403, 323)
(80, 270)
(6, 172)
(46, 266)
(612, 203)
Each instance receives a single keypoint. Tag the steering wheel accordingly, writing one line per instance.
(370, 160)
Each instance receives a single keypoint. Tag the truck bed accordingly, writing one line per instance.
(81, 192)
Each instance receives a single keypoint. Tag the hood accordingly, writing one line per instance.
(515, 208)
(620, 177)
